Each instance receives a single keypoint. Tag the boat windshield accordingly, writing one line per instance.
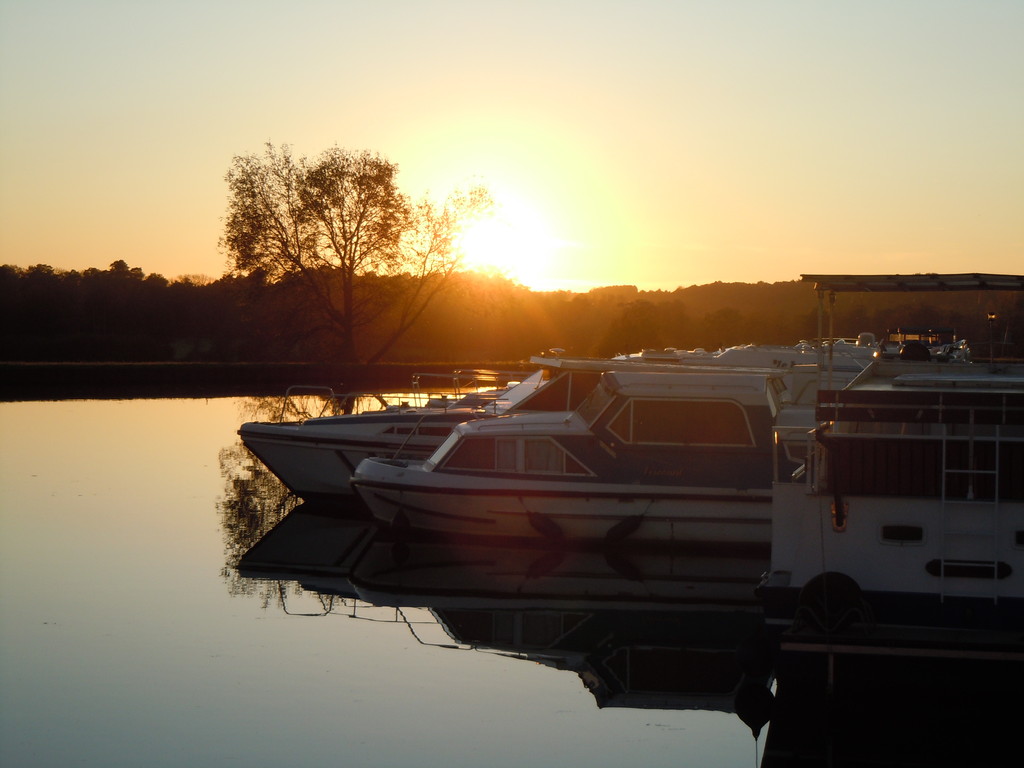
(595, 403)
(441, 451)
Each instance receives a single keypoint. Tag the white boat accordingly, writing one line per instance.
(315, 457)
(846, 354)
(678, 456)
(907, 528)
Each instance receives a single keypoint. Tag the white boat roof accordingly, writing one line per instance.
(985, 381)
(971, 281)
(907, 377)
(602, 364)
(687, 383)
(527, 422)
(949, 393)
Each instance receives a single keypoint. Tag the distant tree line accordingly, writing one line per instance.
(122, 314)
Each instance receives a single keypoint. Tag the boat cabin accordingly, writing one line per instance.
(658, 428)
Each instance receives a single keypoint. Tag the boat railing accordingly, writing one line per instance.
(470, 380)
(307, 401)
(461, 388)
(421, 622)
(944, 463)
(915, 407)
(478, 388)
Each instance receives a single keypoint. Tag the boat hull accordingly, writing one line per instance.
(908, 568)
(318, 460)
(560, 511)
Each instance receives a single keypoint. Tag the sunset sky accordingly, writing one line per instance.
(659, 144)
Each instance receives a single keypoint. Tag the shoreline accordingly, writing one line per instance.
(76, 381)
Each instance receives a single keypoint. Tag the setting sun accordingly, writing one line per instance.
(514, 242)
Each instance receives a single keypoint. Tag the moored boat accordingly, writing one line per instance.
(315, 456)
(846, 354)
(671, 457)
(905, 534)
(912, 504)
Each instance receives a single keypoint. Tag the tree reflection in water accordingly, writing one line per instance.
(254, 502)
(308, 403)
(254, 499)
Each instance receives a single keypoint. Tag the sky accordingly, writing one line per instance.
(656, 144)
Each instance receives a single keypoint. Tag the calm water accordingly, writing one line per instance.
(130, 637)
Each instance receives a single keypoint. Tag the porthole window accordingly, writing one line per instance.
(902, 534)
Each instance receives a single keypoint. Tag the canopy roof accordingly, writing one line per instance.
(918, 282)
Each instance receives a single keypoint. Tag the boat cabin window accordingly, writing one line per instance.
(472, 453)
(533, 455)
(683, 422)
(595, 403)
(543, 456)
(505, 455)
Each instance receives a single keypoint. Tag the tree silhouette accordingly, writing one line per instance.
(362, 252)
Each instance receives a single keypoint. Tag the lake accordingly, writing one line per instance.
(131, 634)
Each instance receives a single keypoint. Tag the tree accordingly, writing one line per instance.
(365, 254)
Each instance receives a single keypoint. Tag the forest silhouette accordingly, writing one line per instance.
(121, 314)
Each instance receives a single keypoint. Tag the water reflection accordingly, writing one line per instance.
(858, 710)
(254, 500)
(642, 628)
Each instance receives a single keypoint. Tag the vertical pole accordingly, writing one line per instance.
(831, 333)
(821, 340)
(991, 341)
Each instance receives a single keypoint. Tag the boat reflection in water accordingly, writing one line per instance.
(659, 628)
(641, 627)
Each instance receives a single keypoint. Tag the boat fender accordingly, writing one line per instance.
(753, 705)
(545, 526)
(400, 524)
(626, 527)
(840, 514)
